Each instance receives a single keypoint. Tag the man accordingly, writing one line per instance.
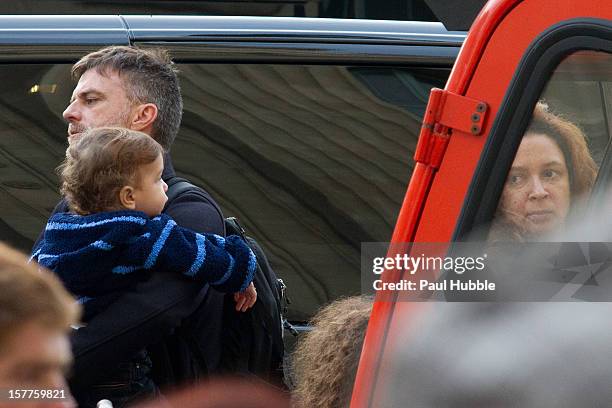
(35, 315)
(138, 89)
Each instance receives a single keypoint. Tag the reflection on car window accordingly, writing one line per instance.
(408, 89)
(32, 145)
(313, 159)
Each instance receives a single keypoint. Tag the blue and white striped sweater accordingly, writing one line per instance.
(98, 256)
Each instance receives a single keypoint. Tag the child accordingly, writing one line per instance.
(117, 235)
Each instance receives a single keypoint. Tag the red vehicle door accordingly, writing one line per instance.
(518, 54)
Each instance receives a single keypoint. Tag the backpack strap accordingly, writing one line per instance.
(178, 186)
(186, 332)
(254, 339)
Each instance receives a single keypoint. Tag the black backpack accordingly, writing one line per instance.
(252, 340)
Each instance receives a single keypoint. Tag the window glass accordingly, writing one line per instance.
(33, 142)
(313, 160)
(554, 172)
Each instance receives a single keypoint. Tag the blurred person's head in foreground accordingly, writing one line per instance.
(224, 393)
(551, 174)
(35, 315)
(326, 359)
(503, 355)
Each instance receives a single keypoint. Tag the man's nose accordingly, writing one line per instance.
(71, 114)
(537, 189)
(165, 186)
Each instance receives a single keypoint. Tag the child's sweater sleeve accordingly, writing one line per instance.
(227, 264)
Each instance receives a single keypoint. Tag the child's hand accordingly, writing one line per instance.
(245, 300)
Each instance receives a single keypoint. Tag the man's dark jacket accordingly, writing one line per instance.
(154, 314)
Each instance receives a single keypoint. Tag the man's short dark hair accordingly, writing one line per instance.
(149, 76)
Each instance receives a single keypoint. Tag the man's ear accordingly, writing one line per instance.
(143, 117)
(126, 197)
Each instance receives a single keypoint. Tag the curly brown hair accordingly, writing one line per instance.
(100, 163)
(325, 361)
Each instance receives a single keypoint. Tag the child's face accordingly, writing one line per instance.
(150, 197)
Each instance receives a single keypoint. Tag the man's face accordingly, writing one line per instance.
(98, 100)
(34, 358)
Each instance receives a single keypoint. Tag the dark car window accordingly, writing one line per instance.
(313, 160)
(33, 139)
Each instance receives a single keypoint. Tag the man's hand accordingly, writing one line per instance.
(245, 300)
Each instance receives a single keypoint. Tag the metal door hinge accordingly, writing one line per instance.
(446, 111)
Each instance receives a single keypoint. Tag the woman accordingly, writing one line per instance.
(552, 171)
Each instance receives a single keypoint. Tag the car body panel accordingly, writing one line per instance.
(211, 28)
(62, 30)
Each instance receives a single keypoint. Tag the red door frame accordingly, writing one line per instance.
(483, 71)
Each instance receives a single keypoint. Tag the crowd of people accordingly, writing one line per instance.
(118, 285)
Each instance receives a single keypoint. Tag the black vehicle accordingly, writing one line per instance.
(304, 129)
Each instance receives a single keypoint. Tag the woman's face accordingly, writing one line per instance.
(536, 195)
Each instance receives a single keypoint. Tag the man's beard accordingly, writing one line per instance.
(76, 130)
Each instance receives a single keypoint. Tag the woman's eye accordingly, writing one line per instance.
(549, 173)
(515, 179)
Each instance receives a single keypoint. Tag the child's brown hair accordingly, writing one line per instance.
(100, 163)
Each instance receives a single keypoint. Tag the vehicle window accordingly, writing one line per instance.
(312, 159)
(554, 172)
(33, 145)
